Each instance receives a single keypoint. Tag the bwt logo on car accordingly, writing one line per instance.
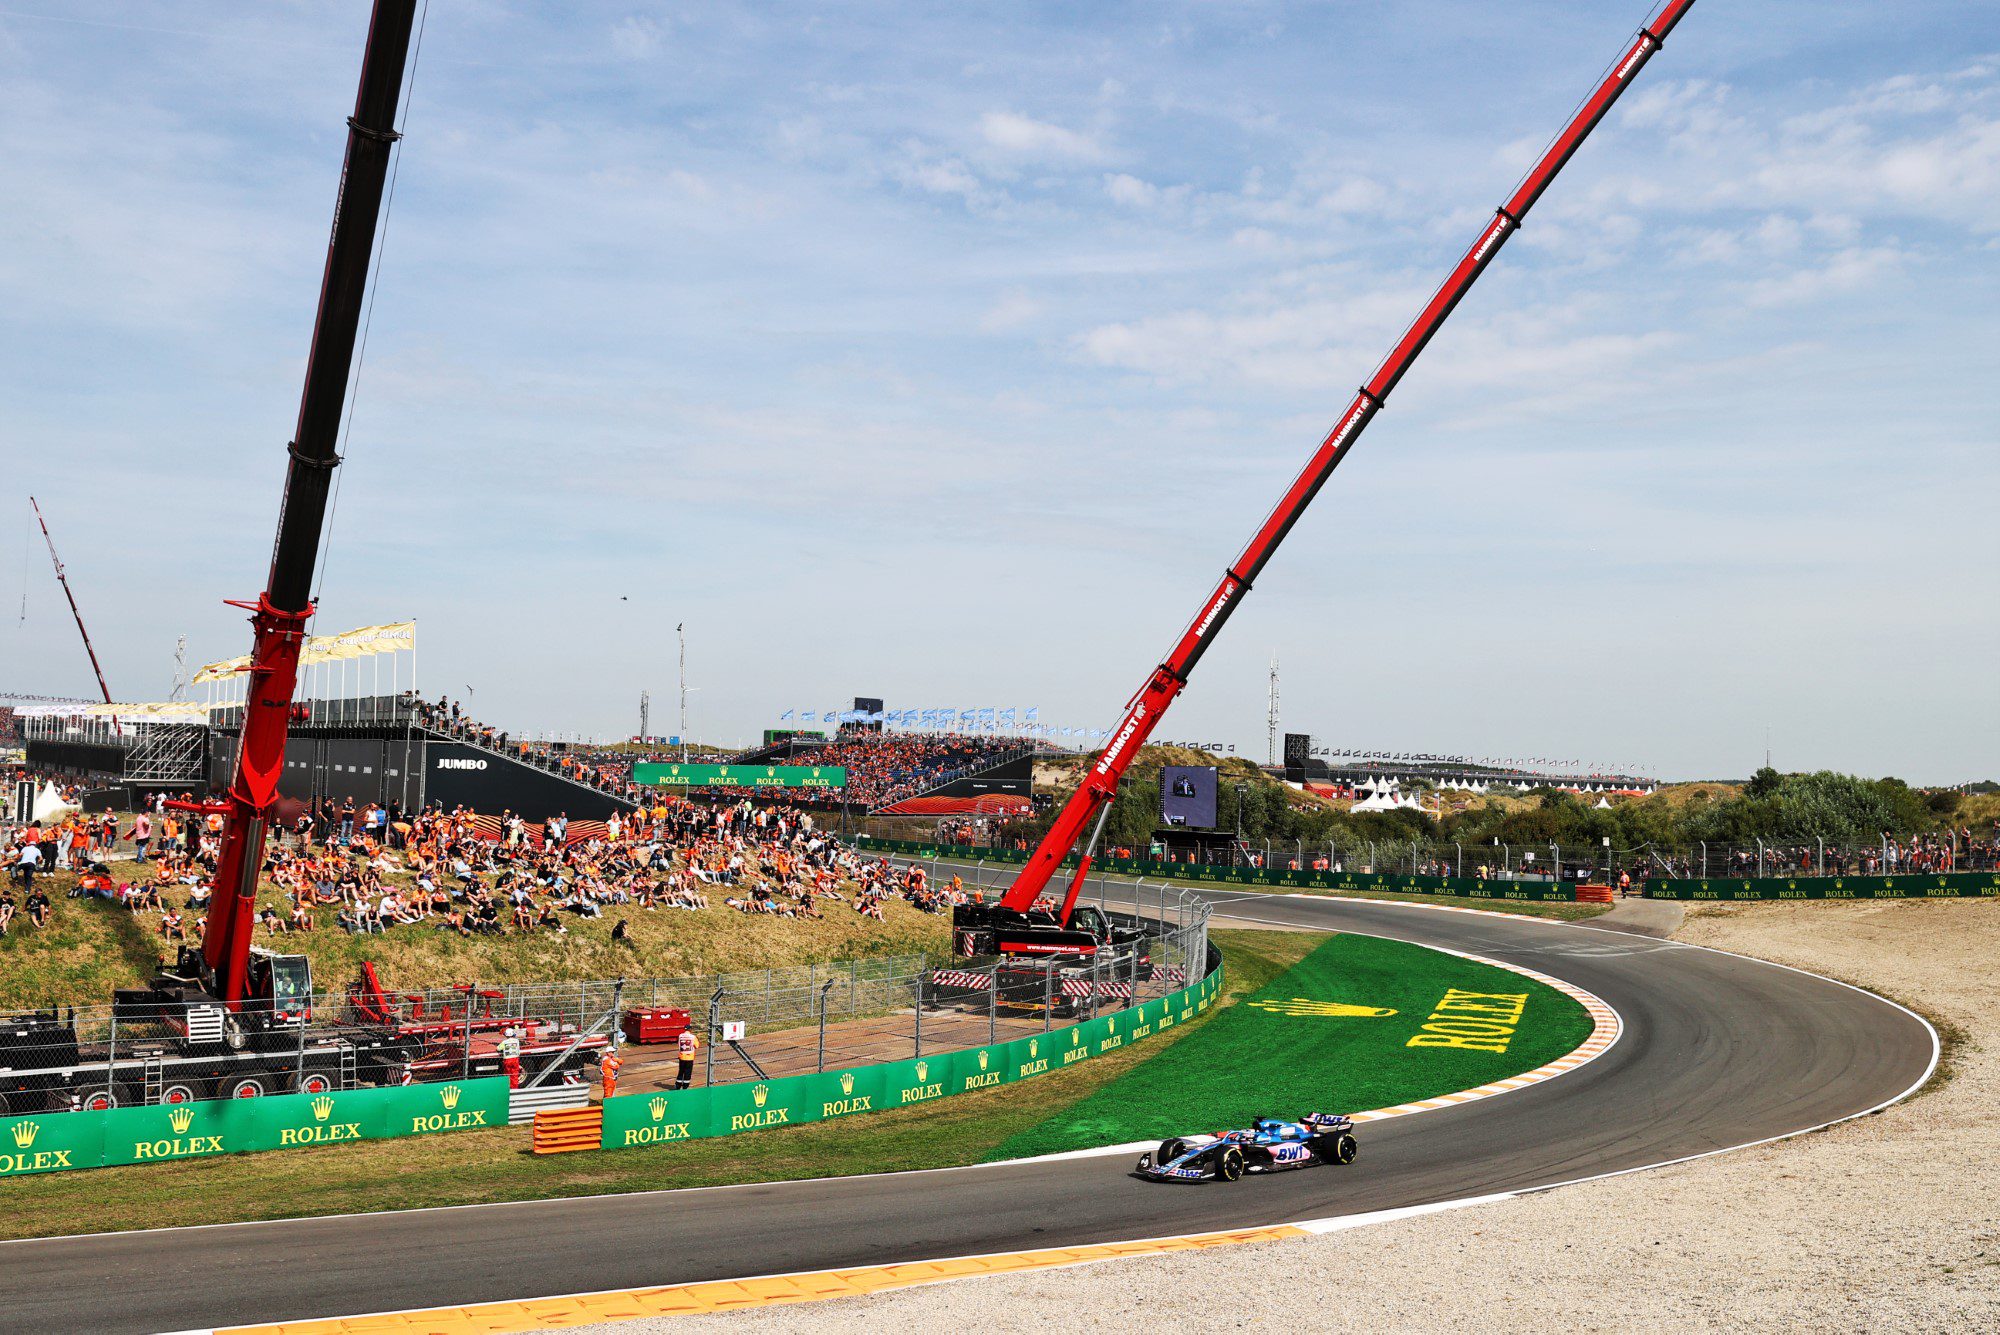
(445, 762)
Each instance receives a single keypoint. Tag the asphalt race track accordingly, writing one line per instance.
(1718, 1051)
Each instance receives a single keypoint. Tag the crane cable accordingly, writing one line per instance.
(368, 315)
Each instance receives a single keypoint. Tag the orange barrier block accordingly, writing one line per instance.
(1593, 894)
(568, 1130)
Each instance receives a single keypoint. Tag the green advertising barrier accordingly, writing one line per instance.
(740, 776)
(50, 1142)
(163, 1132)
(1271, 878)
(1929, 885)
(724, 1110)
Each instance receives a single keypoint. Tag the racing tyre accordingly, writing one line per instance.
(1342, 1148)
(1229, 1164)
(1169, 1151)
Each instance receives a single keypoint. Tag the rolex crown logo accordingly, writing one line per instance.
(180, 1119)
(1075, 1037)
(759, 1094)
(923, 1070)
(982, 1059)
(450, 1095)
(1034, 1047)
(658, 1106)
(847, 1082)
(25, 1133)
(1111, 1024)
(322, 1107)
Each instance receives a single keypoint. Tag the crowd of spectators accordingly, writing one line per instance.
(881, 767)
(368, 868)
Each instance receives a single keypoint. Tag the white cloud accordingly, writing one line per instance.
(638, 37)
(1013, 310)
(1130, 190)
(1024, 137)
(1846, 271)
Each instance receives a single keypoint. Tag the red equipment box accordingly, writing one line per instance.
(654, 1024)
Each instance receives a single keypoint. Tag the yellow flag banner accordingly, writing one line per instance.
(162, 711)
(358, 643)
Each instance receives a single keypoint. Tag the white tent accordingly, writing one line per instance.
(50, 804)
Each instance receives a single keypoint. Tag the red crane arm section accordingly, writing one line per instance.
(279, 615)
(1092, 799)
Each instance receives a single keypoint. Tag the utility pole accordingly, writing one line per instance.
(645, 715)
(681, 631)
(1271, 719)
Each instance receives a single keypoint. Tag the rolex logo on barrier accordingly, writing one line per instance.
(1034, 1047)
(847, 1082)
(180, 1119)
(752, 1121)
(450, 1096)
(982, 1059)
(923, 1070)
(25, 1133)
(322, 1108)
(658, 1107)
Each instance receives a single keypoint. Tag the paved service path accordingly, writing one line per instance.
(1718, 1051)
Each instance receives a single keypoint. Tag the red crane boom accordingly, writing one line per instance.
(1091, 802)
(279, 616)
(62, 578)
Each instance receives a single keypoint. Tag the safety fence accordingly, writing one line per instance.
(1950, 885)
(49, 1143)
(1520, 886)
(693, 1114)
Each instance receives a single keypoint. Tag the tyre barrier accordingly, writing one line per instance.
(524, 1105)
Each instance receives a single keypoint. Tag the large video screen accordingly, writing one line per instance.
(1187, 796)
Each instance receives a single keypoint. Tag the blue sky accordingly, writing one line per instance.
(945, 353)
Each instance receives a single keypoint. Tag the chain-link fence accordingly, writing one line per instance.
(1885, 856)
(151, 1048)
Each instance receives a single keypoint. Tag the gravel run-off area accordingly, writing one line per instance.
(1888, 1223)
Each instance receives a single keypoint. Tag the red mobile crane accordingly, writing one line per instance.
(224, 970)
(1016, 925)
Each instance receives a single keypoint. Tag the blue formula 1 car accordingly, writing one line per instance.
(1266, 1146)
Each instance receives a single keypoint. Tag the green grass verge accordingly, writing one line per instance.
(468, 1167)
(1251, 1061)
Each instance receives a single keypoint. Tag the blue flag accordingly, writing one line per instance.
(784, 716)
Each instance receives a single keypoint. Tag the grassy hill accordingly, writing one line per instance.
(92, 946)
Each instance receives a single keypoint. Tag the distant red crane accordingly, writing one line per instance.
(63, 579)
(1091, 802)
